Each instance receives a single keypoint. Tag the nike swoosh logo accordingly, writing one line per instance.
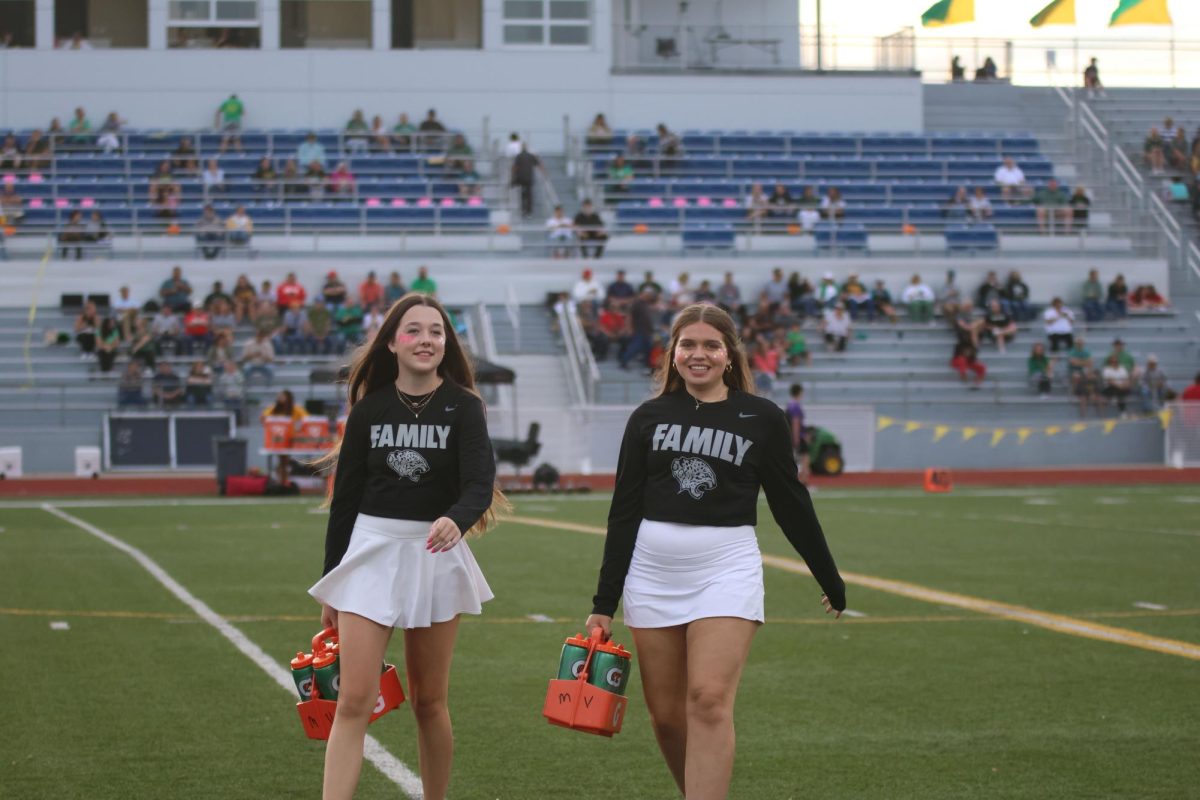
(746, 416)
(450, 408)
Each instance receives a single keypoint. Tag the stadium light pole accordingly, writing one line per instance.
(820, 68)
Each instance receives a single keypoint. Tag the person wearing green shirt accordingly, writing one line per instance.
(402, 133)
(80, 128)
(1051, 202)
(319, 328)
(1123, 357)
(349, 320)
(423, 284)
(1079, 363)
(1040, 368)
(620, 175)
(1093, 297)
(358, 133)
(229, 119)
(797, 346)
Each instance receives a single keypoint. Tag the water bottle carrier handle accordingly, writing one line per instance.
(595, 639)
(319, 640)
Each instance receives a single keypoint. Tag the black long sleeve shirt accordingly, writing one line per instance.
(394, 464)
(704, 466)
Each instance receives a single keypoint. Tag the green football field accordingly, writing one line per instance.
(1040, 643)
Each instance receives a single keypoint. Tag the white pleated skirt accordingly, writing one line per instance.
(681, 573)
(388, 576)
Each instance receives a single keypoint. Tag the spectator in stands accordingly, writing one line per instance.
(184, 157)
(370, 291)
(525, 167)
(967, 326)
(833, 207)
(857, 298)
(641, 330)
(828, 292)
(470, 182)
(808, 209)
(801, 297)
(1154, 152)
(669, 143)
(229, 120)
(290, 291)
(764, 363)
(72, 236)
(757, 203)
(763, 322)
(1015, 297)
(620, 292)
(165, 192)
(1011, 180)
(221, 349)
(1052, 205)
(294, 184)
(1079, 360)
(1091, 80)
(611, 327)
(1152, 386)
(80, 129)
(311, 150)
(1059, 323)
(243, 298)
(402, 133)
(258, 357)
(432, 132)
(87, 322)
(797, 345)
(948, 298)
(988, 71)
(239, 227)
(143, 346)
(10, 154)
(620, 176)
(705, 293)
(881, 302)
(458, 153)
(513, 146)
(314, 179)
(588, 289)
(1086, 388)
(635, 145)
(957, 71)
(109, 139)
(979, 207)
(1118, 294)
(680, 292)
(125, 311)
(39, 150)
(1093, 297)
(210, 233)
(285, 406)
(1178, 151)
(1147, 298)
(166, 387)
(1040, 368)
(372, 321)
(989, 290)
(589, 227)
(560, 233)
(167, 329)
(1168, 129)
(131, 387)
(334, 292)
(1192, 393)
(12, 205)
(648, 282)
(198, 385)
(230, 386)
(349, 320)
(836, 327)
(966, 359)
(1124, 357)
(729, 296)
(999, 325)
(318, 329)
(197, 330)
(598, 133)
(222, 318)
(217, 293)
(213, 179)
(424, 284)
(958, 204)
(780, 208)
(357, 135)
(776, 289)
(341, 180)
(918, 299)
(95, 231)
(795, 416)
(394, 289)
(381, 141)
(1118, 383)
(290, 338)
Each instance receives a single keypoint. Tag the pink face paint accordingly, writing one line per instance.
(404, 338)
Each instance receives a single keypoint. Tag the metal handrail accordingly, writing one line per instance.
(488, 336)
(590, 370)
(512, 308)
(564, 312)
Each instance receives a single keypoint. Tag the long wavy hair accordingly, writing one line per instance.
(736, 377)
(373, 366)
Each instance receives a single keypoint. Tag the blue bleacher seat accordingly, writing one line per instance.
(971, 238)
(402, 218)
(631, 214)
(708, 237)
(844, 237)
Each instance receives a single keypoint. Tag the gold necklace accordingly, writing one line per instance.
(418, 405)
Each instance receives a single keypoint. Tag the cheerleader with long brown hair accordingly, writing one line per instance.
(681, 548)
(414, 474)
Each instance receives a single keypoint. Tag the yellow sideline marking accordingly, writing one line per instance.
(1042, 619)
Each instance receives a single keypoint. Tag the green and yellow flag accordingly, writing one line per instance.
(1059, 12)
(1141, 12)
(949, 12)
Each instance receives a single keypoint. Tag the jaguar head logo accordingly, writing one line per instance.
(408, 464)
(694, 475)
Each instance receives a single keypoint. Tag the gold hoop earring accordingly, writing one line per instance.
(729, 367)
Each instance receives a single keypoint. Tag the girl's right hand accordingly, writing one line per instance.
(599, 621)
(329, 617)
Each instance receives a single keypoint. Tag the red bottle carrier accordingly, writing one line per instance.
(314, 434)
(579, 705)
(316, 715)
(277, 432)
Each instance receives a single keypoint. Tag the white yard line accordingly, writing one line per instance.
(392, 768)
(1149, 606)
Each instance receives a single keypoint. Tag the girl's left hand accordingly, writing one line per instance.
(443, 535)
(829, 606)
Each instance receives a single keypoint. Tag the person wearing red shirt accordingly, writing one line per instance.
(290, 291)
(370, 292)
(1192, 393)
(197, 329)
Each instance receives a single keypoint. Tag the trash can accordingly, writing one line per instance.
(230, 457)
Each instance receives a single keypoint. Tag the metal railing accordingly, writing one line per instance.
(512, 308)
(564, 311)
(581, 360)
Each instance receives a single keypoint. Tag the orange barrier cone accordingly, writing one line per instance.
(937, 480)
